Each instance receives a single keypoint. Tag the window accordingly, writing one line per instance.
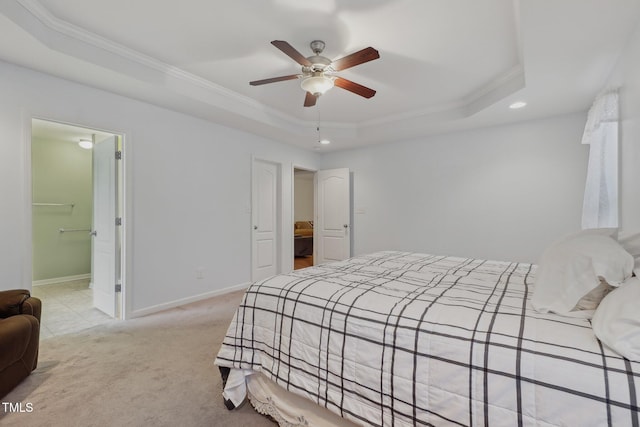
(600, 206)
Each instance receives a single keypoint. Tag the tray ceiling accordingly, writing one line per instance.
(444, 64)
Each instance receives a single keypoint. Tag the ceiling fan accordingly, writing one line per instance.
(318, 72)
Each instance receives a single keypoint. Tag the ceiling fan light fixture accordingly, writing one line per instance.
(316, 84)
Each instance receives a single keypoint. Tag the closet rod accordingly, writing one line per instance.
(54, 204)
(72, 230)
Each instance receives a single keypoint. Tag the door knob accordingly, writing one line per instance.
(93, 233)
(255, 227)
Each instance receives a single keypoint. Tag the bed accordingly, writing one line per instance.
(398, 339)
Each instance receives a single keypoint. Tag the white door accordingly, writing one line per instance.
(264, 233)
(333, 213)
(103, 252)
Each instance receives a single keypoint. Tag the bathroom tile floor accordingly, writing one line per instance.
(67, 307)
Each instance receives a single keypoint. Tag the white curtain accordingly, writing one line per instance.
(600, 207)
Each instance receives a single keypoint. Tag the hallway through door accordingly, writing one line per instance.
(303, 217)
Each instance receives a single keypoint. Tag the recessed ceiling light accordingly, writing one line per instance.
(517, 104)
(325, 141)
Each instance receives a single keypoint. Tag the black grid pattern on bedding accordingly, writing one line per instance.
(396, 338)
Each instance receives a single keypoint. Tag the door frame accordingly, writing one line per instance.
(125, 205)
(293, 210)
(285, 207)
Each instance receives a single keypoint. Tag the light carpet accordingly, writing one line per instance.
(152, 371)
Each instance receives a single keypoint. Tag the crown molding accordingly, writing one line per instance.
(70, 39)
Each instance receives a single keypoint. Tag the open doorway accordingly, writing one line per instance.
(76, 192)
(303, 217)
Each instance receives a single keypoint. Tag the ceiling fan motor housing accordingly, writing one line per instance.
(318, 62)
(317, 46)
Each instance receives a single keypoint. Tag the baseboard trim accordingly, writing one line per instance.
(57, 280)
(177, 303)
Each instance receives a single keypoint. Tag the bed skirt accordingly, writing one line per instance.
(289, 409)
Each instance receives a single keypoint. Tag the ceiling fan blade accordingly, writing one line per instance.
(354, 87)
(310, 100)
(274, 79)
(291, 52)
(357, 58)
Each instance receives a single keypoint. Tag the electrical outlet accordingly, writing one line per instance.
(200, 273)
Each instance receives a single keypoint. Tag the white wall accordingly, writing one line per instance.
(496, 193)
(188, 192)
(61, 173)
(626, 77)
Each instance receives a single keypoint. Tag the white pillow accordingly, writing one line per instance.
(617, 320)
(610, 232)
(573, 266)
(631, 244)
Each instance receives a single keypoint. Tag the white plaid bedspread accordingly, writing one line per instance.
(396, 338)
